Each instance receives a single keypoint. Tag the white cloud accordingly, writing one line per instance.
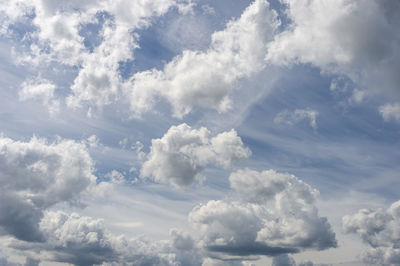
(355, 38)
(206, 79)
(40, 89)
(270, 214)
(181, 154)
(290, 118)
(35, 175)
(380, 230)
(57, 39)
(390, 111)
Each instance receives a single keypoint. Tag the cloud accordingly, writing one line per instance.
(269, 214)
(181, 154)
(206, 79)
(390, 111)
(283, 260)
(40, 89)
(58, 38)
(356, 38)
(82, 240)
(35, 175)
(79, 240)
(380, 230)
(116, 177)
(290, 118)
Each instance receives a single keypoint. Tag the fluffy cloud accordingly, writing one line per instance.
(181, 154)
(35, 175)
(390, 111)
(290, 118)
(270, 214)
(380, 230)
(206, 79)
(82, 240)
(355, 38)
(57, 37)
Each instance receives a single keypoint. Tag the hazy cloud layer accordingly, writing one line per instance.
(182, 153)
(296, 116)
(271, 214)
(380, 230)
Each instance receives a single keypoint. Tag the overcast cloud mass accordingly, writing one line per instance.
(207, 133)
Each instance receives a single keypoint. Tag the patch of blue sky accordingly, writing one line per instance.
(350, 146)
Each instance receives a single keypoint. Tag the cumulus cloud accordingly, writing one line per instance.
(356, 38)
(206, 79)
(35, 175)
(270, 214)
(57, 37)
(380, 230)
(181, 154)
(390, 111)
(82, 240)
(296, 116)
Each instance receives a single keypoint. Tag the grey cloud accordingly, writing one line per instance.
(379, 229)
(35, 175)
(256, 248)
(19, 218)
(283, 260)
(356, 38)
(78, 240)
(82, 240)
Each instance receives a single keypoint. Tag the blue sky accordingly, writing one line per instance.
(177, 132)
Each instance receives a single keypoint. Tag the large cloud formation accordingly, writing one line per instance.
(356, 38)
(270, 214)
(82, 240)
(380, 230)
(35, 175)
(206, 79)
(182, 153)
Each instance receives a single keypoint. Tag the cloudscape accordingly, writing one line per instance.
(199, 132)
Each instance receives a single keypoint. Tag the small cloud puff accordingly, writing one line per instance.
(390, 111)
(296, 116)
(181, 154)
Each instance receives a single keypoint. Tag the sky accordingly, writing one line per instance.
(208, 132)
